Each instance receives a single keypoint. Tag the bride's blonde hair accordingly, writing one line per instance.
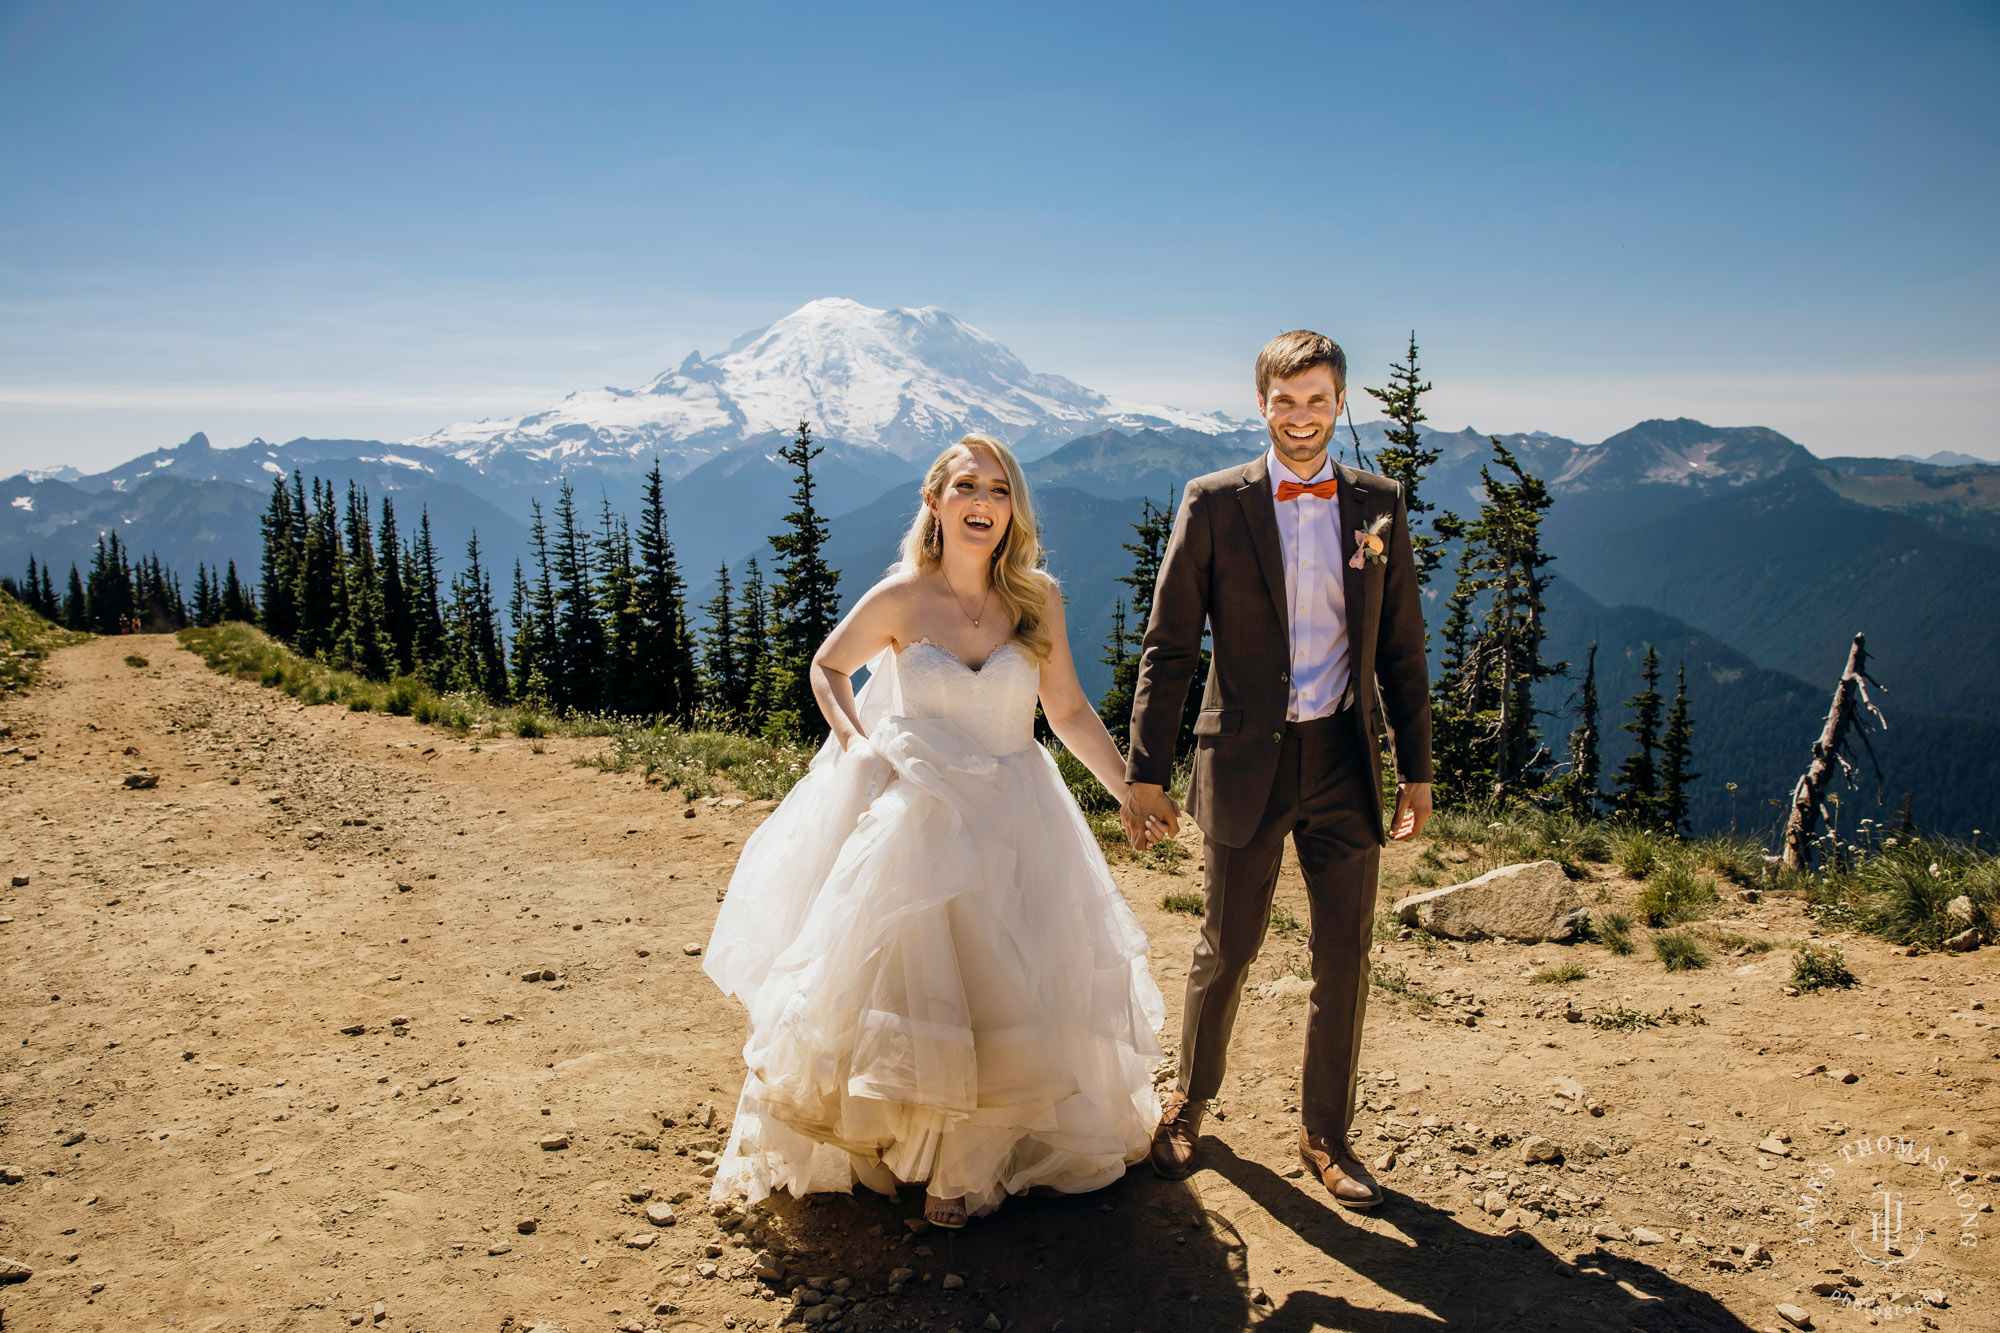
(1019, 580)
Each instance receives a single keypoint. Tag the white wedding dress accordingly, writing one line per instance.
(943, 982)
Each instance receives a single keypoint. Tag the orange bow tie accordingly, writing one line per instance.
(1292, 490)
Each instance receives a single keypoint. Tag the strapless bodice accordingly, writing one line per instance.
(994, 705)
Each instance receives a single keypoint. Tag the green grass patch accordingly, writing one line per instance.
(26, 640)
(1620, 1018)
(1679, 951)
(1558, 975)
(1612, 928)
(1191, 903)
(1673, 895)
(1397, 983)
(1817, 967)
(137, 660)
(1637, 851)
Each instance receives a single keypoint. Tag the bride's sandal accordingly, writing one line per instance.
(946, 1213)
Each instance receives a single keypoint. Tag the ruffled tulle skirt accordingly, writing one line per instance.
(943, 982)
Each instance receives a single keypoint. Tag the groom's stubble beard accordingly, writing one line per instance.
(1304, 455)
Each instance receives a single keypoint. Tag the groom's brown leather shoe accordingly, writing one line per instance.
(1340, 1171)
(1178, 1132)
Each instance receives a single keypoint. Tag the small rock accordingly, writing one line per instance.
(993, 1323)
(1287, 987)
(526, 1226)
(1791, 990)
(1959, 910)
(640, 1240)
(72, 1137)
(400, 1021)
(660, 1214)
(1843, 1075)
(142, 781)
(379, 1313)
(20, 881)
(353, 1029)
(12, 1270)
(1933, 1297)
(1826, 1288)
(551, 1142)
(12, 1175)
(1593, 1148)
(917, 1226)
(1753, 1253)
(705, 1269)
(1965, 941)
(691, 949)
(1494, 1202)
(1513, 1219)
(1386, 1162)
(772, 1269)
(1608, 1231)
(1646, 1236)
(1535, 1148)
(1794, 1315)
(953, 1282)
(1773, 1147)
(500, 1247)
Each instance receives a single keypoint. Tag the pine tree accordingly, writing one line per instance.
(280, 573)
(421, 594)
(1115, 708)
(398, 625)
(618, 611)
(723, 685)
(51, 607)
(319, 592)
(666, 652)
(1676, 754)
(76, 603)
(754, 656)
(805, 602)
(1404, 456)
(362, 646)
(1508, 531)
(109, 593)
(237, 604)
(577, 647)
(526, 677)
(475, 661)
(1576, 791)
(1464, 768)
(207, 601)
(1637, 794)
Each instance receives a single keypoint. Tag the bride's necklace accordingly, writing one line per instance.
(961, 601)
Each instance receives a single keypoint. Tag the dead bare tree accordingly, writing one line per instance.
(1833, 748)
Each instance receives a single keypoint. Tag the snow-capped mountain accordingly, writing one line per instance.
(903, 380)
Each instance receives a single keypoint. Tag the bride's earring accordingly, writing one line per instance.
(934, 537)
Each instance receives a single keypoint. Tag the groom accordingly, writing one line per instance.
(1301, 570)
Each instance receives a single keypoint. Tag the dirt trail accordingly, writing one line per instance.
(200, 1145)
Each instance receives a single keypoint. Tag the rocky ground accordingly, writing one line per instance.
(279, 1067)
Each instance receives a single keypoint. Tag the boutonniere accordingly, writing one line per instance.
(1368, 545)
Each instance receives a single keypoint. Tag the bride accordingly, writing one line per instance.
(943, 983)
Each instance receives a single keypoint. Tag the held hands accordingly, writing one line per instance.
(1413, 809)
(1148, 815)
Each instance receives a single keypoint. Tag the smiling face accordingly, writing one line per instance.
(976, 503)
(1300, 412)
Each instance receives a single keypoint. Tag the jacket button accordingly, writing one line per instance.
(1277, 735)
(1284, 677)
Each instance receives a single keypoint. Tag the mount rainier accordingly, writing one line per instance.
(905, 381)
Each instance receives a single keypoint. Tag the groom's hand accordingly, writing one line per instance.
(1413, 809)
(1149, 814)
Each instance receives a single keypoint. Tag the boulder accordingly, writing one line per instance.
(1965, 941)
(1527, 903)
(1959, 910)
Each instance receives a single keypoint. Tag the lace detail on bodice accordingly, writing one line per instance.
(994, 705)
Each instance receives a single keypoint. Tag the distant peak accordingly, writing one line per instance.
(196, 443)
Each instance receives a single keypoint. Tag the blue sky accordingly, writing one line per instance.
(374, 219)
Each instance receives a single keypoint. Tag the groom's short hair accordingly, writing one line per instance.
(1296, 352)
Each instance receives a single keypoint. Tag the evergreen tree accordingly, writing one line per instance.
(618, 611)
(1576, 790)
(665, 650)
(207, 601)
(1463, 767)
(280, 572)
(577, 647)
(109, 593)
(399, 627)
(51, 607)
(76, 604)
(528, 679)
(1508, 531)
(1115, 708)
(475, 660)
(805, 603)
(362, 647)
(321, 586)
(1153, 530)
(1637, 793)
(237, 603)
(723, 686)
(754, 658)
(1676, 754)
(421, 584)
(1404, 456)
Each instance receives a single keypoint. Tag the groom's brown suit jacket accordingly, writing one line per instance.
(1224, 569)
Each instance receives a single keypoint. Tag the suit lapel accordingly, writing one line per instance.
(1353, 518)
(1260, 512)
